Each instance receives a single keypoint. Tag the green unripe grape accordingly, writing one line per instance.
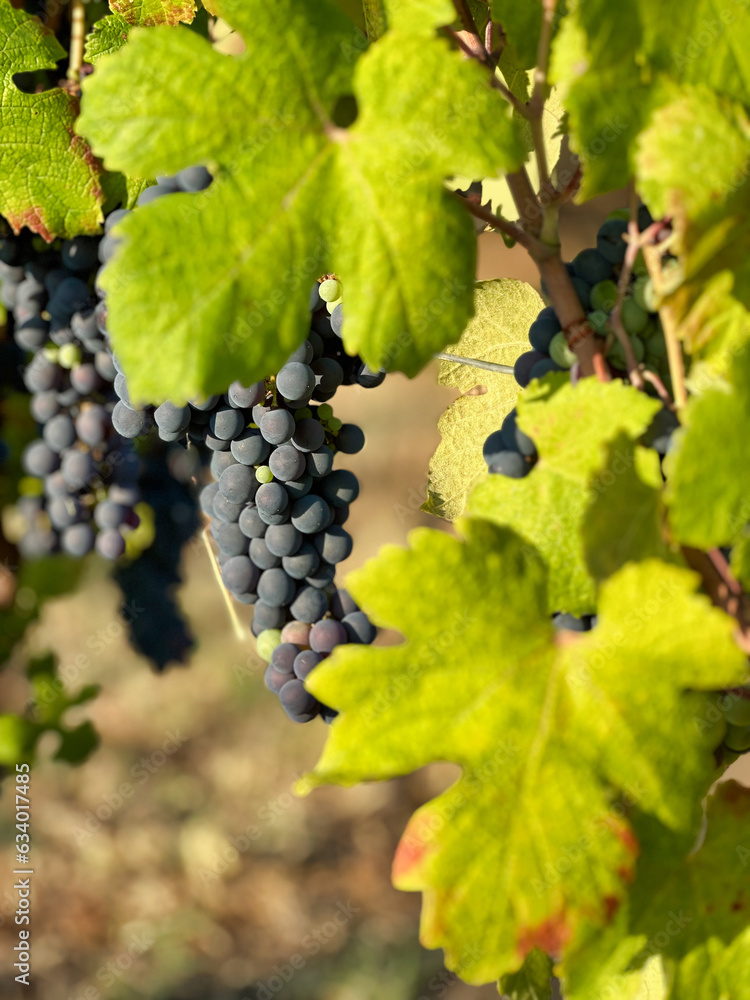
(325, 411)
(598, 320)
(334, 425)
(30, 486)
(616, 354)
(263, 474)
(657, 345)
(266, 642)
(604, 296)
(650, 298)
(619, 213)
(69, 355)
(303, 414)
(330, 306)
(739, 713)
(638, 286)
(634, 319)
(639, 267)
(330, 290)
(559, 351)
(51, 353)
(737, 738)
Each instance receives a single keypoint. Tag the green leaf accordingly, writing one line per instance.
(708, 199)
(496, 189)
(49, 180)
(503, 868)
(17, 739)
(547, 508)
(708, 478)
(106, 36)
(419, 17)
(521, 21)
(739, 561)
(149, 13)
(690, 906)
(623, 520)
(76, 744)
(617, 65)
(532, 981)
(294, 195)
(503, 311)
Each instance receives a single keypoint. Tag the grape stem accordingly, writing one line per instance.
(511, 230)
(470, 42)
(488, 366)
(652, 256)
(375, 20)
(615, 319)
(240, 633)
(723, 589)
(77, 35)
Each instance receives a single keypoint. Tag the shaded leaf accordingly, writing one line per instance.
(503, 311)
(547, 508)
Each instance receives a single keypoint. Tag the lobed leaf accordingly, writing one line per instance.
(504, 869)
(295, 194)
(688, 905)
(49, 179)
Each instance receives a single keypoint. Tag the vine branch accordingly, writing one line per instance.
(510, 229)
(77, 36)
(539, 95)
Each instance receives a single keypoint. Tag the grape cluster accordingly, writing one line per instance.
(156, 626)
(278, 506)
(737, 737)
(594, 274)
(82, 487)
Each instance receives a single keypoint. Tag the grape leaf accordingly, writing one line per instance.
(691, 906)
(626, 493)
(294, 195)
(739, 561)
(107, 36)
(521, 21)
(149, 13)
(503, 311)
(419, 17)
(547, 508)
(708, 199)
(49, 179)
(500, 855)
(616, 65)
(707, 486)
(532, 981)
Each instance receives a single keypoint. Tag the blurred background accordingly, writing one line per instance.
(176, 863)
